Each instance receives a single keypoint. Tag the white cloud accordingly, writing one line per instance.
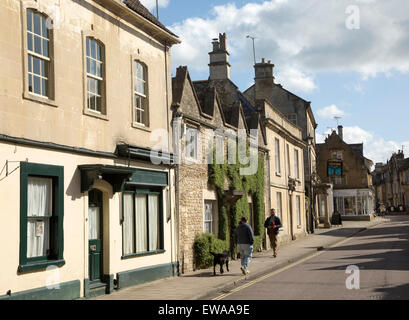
(302, 38)
(330, 112)
(151, 4)
(376, 148)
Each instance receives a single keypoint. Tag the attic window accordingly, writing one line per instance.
(292, 118)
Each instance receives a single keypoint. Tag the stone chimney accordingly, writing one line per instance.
(219, 59)
(340, 132)
(264, 79)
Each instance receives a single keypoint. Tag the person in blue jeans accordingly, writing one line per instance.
(245, 240)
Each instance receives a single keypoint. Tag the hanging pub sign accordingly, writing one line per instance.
(334, 168)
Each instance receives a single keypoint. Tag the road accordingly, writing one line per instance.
(381, 254)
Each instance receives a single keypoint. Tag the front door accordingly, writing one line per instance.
(95, 234)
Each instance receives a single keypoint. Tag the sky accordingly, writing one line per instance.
(350, 58)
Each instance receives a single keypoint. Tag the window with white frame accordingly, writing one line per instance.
(140, 94)
(298, 208)
(191, 142)
(95, 75)
(209, 216)
(38, 53)
(277, 156)
(296, 165)
(278, 210)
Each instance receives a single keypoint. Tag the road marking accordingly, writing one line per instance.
(279, 270)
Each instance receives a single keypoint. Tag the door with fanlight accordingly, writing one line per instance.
(95, 234)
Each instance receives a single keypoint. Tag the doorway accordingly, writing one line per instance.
(95, 235)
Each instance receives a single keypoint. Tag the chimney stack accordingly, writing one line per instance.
(340, 132)
(264, 79)
(219, 59)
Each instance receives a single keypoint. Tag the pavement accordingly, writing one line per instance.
(201, 284)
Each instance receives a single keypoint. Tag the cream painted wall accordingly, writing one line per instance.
(64, 123)
(75, 222)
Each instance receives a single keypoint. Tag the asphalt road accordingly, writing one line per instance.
(380, 253)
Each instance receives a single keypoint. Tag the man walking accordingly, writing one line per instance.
(273, 224)
(244, 239)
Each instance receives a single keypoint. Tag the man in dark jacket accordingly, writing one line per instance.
(244, 239)
(273, 224)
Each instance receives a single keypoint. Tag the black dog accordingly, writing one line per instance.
(220, 258)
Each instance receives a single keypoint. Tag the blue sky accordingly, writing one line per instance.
(350, 58)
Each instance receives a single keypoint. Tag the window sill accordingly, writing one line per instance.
(142, 254)
(96, 115)
(38, 265)
(39, 99)
(141, 127)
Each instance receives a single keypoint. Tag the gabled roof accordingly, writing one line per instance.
(136, 6)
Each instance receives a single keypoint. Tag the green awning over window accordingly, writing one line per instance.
(117, 176)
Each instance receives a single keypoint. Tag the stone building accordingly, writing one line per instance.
(299, 112)
(206, 130)
(345, 167)
(86, 206)
(391, 182)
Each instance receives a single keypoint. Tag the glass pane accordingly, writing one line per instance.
(93, 44)
(98, 70)
(36, 65)
(98, 52)
(92, 84)
(128, 225)
(44, 89)
(140, 87)
(38, 240)
(98, 85)
(37, 85)
(44, 28)
(45, 48)
(88, 65)
(88, 46)
(139, 71)
(39, 197)
(37, 45)
(30, 42)
(141, 224)
(98, 104)
(29, 20)
(92, 103)
(94, 223)
(30, 66)
(30, 83)
(37, 24)
(154, 241)
(93, 67)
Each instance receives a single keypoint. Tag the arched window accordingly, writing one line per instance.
(95, 75)
(38, 53)
(140, 94)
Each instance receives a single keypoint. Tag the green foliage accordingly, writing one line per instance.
(258, 240)
(204, 243)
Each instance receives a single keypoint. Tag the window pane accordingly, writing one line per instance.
(93, 67)
(128, 224)
(98, 104)
(92, 84)
(44, 89)
(30, 83)
(94, 223)
(37, 24)
(45, 48)
(93, 44)
(44, 27)
(91, 102)
(30, 66)
(88, 65)
(38, 239)
(88, 46)
(30, 42)
(141, 236)
(36, 65)
(37, 45)
(39, 197)
(99, 69)
(29, 20)
(98, 52)
(140, 87)
(37, 85)
(154, 241)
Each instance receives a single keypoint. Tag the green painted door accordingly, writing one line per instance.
(95, 234)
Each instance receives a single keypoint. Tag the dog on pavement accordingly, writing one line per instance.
(220, 259)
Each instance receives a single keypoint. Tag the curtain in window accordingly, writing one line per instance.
(38, 205)
(153, 222)
(128, 224)
(93, 223)
(141, 223)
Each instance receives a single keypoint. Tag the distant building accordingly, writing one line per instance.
(345, 166)
(391, 181)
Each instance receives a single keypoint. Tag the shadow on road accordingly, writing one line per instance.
(395, 293)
